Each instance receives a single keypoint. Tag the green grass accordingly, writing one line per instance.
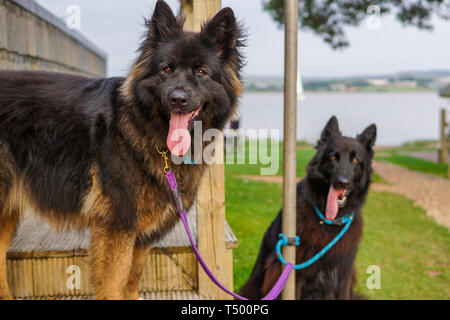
(377, 179)
(304, 154)
(397, 156)
(411, 249)
(251, 208)
(421, 145)
(416, 164)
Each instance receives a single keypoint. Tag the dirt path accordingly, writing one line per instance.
(427, 191)
(268, 179)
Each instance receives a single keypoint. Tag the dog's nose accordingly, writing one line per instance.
(178, 98)
(342, 182)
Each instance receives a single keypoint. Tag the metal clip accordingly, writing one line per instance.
(165, 158)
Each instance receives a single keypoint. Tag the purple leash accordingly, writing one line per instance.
(277, 288)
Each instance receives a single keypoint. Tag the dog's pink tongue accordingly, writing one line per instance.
(332, 206)
(179, 139)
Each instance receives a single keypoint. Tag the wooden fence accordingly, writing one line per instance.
(31, 38)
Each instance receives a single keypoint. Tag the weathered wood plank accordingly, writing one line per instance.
(211, 194)
(204, 10)
(187, 9)
(173, 295)
(31, 35)
(211, 229)
(49, 276)
(20, 277)
(3, 37)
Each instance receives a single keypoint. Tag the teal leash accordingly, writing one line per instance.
(284, 241)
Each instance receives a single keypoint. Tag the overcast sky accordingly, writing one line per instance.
(116, 26)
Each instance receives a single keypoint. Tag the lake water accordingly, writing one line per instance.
(399, 116)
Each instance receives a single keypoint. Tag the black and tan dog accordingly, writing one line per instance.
(83, 153)
(337, 182)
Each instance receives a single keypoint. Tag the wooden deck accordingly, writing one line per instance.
(39, 258)
(173, 295)
(35, 238)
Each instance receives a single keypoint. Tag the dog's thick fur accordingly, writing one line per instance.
(331, 277)
(82, 152)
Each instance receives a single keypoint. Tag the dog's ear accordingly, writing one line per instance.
(368, 136)
(163, 25)
(223, 33)
(330, 131)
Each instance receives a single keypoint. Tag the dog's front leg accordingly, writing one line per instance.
(7, 228)
(140, 254)
(345, 284)
(111, 256)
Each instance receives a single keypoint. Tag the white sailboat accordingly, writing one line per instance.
(300, 92)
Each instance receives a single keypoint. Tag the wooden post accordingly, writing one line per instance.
(187, 9)
(289, 224)
(444, 143)
(443, 138)
(204, 10)
(211, 229)
(448, 167)
(211, 194)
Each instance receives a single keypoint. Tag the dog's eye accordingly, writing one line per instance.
(332, 157)
(167, 69)
(201, 72)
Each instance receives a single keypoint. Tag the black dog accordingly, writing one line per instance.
(83, 152)
(337, 182)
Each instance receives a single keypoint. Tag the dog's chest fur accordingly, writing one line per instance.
(155, 210)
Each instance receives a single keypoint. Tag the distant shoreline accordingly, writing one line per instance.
(410, 81)
(366, 90)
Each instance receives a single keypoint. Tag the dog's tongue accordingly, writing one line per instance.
(179, 139)
(332, 206)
